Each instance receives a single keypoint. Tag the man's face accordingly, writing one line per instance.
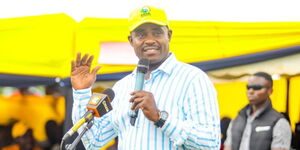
(151, 41)
(258, 91)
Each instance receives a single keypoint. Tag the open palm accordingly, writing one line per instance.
(81, 75)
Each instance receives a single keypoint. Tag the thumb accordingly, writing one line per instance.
(96, 69)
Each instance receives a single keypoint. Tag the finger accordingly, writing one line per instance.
(136, 102)
(138, 92)
(132, 93)
(72, 65)
(90, 60)
(135, 96)
(142, 108)
(78, 59)
(96, 69)
(139, 106)
(83, 60)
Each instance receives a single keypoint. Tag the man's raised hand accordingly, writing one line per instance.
(81, 75)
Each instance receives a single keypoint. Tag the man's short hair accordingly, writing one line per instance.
(265, 76)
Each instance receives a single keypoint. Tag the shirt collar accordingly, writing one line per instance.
(259, 111)
(167, 65)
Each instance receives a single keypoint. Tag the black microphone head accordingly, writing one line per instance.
(144, 62)
(143, 65)
(110, 93)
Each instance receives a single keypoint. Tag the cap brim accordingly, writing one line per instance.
(147, 21)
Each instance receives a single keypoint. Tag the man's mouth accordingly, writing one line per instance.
(150, 48)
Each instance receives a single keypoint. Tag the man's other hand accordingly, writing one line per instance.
(81, 75)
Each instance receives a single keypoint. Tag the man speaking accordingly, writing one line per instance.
(176, 108)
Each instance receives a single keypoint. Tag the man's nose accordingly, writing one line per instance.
(250, 90)
(150, 42)
(150, 39)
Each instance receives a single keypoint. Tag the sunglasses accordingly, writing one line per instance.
(255, 87)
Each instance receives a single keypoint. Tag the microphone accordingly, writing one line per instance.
(142, 69)
(98, 105)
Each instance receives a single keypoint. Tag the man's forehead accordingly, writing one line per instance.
(257, 79)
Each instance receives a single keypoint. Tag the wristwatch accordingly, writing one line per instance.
(163, 116)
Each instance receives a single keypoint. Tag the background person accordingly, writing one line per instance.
(258, 126)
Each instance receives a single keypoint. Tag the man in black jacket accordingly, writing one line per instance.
(258, 126)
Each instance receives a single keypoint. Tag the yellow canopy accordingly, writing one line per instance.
(44, 45)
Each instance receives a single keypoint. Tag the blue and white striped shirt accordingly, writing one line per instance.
(182, 90)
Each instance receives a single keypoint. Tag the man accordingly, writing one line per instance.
(258, 126)
(177, 109)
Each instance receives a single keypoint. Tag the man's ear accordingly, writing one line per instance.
(270, 90)
(130, 39)
(170, 34)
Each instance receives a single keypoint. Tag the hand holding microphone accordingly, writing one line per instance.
(142, 99)
(141, 71)
(145, 101)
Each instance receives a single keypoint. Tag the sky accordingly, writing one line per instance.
(193, 10)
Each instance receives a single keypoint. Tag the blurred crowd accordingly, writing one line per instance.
(30, 120)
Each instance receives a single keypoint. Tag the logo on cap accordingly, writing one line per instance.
(145, 11)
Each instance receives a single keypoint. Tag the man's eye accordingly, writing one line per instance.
(140, 35)
(157, 33)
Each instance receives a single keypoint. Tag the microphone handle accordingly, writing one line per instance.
(78, 138)
(139, 82)
(86, 118)
(139, 85)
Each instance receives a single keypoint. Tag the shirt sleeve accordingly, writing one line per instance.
(201, 127)
(282, 135)
(228, 141)
(101, 132)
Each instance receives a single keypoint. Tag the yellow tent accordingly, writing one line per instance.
(38, 50)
